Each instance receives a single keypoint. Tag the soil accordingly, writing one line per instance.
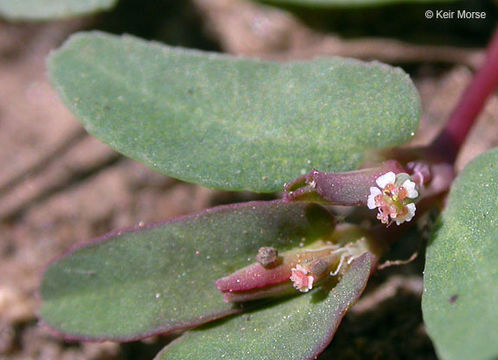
(59, 186)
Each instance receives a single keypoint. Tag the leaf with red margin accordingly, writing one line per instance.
(155, 279)
(295, 329)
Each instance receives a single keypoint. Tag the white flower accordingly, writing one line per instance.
(410, 186)
(386, 179)
(408, 215)
(394, 198)
(374, 191)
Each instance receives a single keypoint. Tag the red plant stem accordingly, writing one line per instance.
(470, 105)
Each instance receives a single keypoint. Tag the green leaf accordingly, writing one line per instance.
(460, 301)
(132, 284)
(351, 3)
(50, 9)
(228, 122)
(298, 328)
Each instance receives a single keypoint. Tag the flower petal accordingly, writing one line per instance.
(374, 191)
(387, 178)
(411, 211)
(412, 193)
(310, 282)
(409, 215)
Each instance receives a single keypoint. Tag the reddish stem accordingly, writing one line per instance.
(470, 105)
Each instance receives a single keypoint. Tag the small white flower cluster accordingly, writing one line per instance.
(394, 198)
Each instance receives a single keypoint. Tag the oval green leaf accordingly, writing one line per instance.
(227, 122)
(295, 329)
(50, 9)
(460, 301)
(132, 284)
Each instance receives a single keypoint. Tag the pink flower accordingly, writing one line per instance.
(300, 278)
(394, 197)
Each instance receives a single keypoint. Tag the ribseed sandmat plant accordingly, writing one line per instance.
(325, 132)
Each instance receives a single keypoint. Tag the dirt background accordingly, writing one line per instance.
(59, 186)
